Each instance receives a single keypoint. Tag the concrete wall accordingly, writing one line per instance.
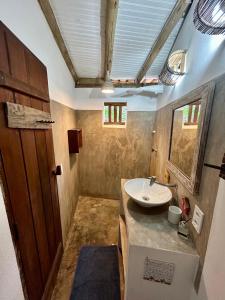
(109, 154)
(65, 119)
(10, 284)
(205, 58)
(215, 149)
(212, 281)
(93, 99)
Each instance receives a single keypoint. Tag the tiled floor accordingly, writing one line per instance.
(95, 222)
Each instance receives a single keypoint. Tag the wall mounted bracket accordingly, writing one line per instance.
(220, 168)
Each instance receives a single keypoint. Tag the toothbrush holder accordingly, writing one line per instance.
(174, 214)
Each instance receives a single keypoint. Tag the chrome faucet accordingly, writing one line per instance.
(153, 180)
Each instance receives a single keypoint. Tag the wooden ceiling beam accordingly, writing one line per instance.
(50, 17)
(98, 82)
(111, 16)
(177, 13)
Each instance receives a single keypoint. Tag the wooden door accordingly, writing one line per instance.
(26, 166)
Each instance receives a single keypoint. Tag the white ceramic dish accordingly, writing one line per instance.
(141, 192)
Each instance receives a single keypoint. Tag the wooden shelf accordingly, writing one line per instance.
(75, 140)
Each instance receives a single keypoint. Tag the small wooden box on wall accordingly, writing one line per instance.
(75, 140)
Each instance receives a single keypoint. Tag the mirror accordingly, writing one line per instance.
(184, 136)
(190, 123)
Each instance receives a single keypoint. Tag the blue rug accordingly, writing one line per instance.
(97, 274)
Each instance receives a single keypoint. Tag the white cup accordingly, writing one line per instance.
(174, 214)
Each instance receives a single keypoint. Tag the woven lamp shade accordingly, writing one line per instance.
(174, 68)
(209, 16)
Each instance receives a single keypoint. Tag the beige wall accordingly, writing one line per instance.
(65, 119)
(10, 283)
(214, 153)
(109, 154)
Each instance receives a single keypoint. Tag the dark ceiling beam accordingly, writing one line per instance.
(97, 82)
(111, 16)
(177, 13)
(50, 17)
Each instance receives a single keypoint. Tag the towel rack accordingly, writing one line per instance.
(220, 168)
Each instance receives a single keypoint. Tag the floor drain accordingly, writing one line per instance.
(145, 198)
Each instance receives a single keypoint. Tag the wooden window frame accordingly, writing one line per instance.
(114, 106)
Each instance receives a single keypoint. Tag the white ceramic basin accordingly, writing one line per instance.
(145, 195)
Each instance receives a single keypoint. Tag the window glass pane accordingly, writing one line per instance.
(112, 114)
(117, 108)
(117, 114)
(124, 114)
(106, 114)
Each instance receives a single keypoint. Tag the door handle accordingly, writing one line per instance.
(58, 170)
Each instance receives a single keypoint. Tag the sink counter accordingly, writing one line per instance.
(149, 227)
(153, 252)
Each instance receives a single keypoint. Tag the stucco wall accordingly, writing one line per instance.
(214, 153)
(26, 20)
(93, 99)
(65, 119)
(109, 154)
(212, 283)
(10, 284)
(205, 57)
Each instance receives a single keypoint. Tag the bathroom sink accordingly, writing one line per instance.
(141, 192)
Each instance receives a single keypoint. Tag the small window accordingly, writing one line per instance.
(115, 113)
(191, 115)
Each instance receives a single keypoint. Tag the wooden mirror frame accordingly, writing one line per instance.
(205, 94)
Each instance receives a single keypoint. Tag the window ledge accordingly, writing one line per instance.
(113, 126)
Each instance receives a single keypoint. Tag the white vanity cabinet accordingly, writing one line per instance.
(158, 263)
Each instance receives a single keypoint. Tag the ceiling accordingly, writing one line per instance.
(139, 23)
(80, 24)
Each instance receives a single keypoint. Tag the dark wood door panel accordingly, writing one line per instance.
(45, 183)
(22, 65)
(35, 191)
(4, 65)
(13, 164)
(27, 164)
(17, 59)
(53, 181)
(37, 73)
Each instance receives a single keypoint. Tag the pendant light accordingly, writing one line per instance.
(209, 16)
(108, 87)
(174, 68)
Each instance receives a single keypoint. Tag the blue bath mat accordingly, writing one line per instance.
(97, 274)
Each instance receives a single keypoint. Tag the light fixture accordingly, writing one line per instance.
(108, 87)
(174, 68)
(209, 16)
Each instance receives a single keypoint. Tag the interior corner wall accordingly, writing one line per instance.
(205, 57)
(10, 283)
(109, 154)
(68, 187)
(26, 20)
(214, 151)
